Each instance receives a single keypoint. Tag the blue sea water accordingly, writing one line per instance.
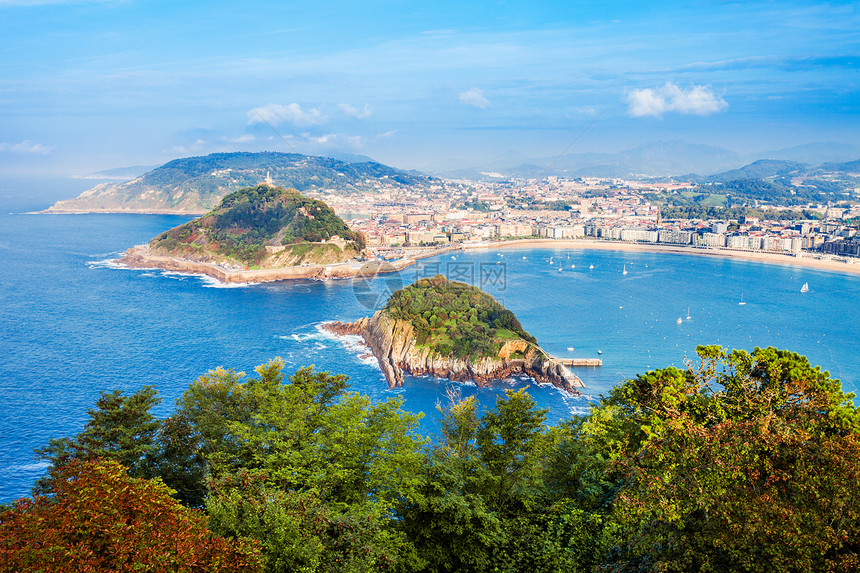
(73, 325)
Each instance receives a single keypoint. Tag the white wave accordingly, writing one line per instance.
(30, 467)
(353, 343)
(210, 282)
(109, 264)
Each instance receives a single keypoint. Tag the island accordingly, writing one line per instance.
(453, 330)
(262, 229)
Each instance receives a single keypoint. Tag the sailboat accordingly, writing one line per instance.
(679, 321)
(805, 287)
(741, 303)
(688, 313)
(624, 272)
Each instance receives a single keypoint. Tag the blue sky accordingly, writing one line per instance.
(91, 85)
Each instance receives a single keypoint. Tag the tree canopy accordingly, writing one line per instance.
(245, 221)
(737, 462)
(455, 319)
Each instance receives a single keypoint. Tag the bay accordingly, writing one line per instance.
(73, 325)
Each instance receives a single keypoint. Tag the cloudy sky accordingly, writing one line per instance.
(91, 85)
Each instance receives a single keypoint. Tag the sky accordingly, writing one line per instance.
(93, 85)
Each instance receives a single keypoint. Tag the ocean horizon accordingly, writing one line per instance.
(73, 324)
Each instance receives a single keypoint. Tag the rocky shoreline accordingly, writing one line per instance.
(139, 257)
(394, 346)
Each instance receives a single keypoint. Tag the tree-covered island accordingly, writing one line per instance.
(264, 227)
(453, 330)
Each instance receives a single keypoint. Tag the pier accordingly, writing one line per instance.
(579, 361)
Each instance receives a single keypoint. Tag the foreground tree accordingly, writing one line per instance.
(317, 474)
(200, 427)
(120, 428)
(747, 461)
(484, 503)
(97, 518)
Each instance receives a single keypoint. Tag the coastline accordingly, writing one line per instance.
(139, 257)
(806, 260)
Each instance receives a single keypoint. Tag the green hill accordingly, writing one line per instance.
(455, 319)
(196, 184)
(263, 226)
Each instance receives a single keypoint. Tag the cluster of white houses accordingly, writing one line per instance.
(804, 236)
(839, 239)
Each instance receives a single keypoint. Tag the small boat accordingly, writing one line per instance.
(805, 287)
(679, 321)
(573, 266)
(570, 348)
(590, 266)
(559, 269)
(741, 303)
(600, 352)
(524, 258)
(624, 272)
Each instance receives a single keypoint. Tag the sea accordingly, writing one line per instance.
(73, 324)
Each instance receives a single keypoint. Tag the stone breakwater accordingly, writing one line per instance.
(393, 343)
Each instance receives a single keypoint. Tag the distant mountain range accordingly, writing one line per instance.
(651, 160)
(196, 184)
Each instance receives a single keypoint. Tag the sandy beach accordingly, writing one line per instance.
(852, 266)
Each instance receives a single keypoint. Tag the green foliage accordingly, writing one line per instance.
(748, 458)
(703, 211)
(245, 221)
(484, 503)
(455, 319)
(201, 427)
(120, 428)
(312, 447)
(740, 459)
(476, 205)
(98, 519)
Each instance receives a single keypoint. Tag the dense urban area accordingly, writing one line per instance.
(452, 211)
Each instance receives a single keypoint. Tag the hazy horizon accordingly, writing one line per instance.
(93, 85)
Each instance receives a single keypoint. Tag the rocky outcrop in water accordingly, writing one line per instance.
(394, 344)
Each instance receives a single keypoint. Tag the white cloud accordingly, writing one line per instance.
(197, 147)
(356, 113)
(334, 140)
(244, 138)
(698, 100)
(474, 97)
(386, 134)
(25, 146)
(275, 114)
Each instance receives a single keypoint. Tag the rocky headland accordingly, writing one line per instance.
(402, 346)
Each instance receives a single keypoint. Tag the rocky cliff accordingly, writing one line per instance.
(394, 344)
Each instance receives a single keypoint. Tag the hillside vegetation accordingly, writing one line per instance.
(196, 184)
(245, 222)
(741, 462)
(455, 319)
